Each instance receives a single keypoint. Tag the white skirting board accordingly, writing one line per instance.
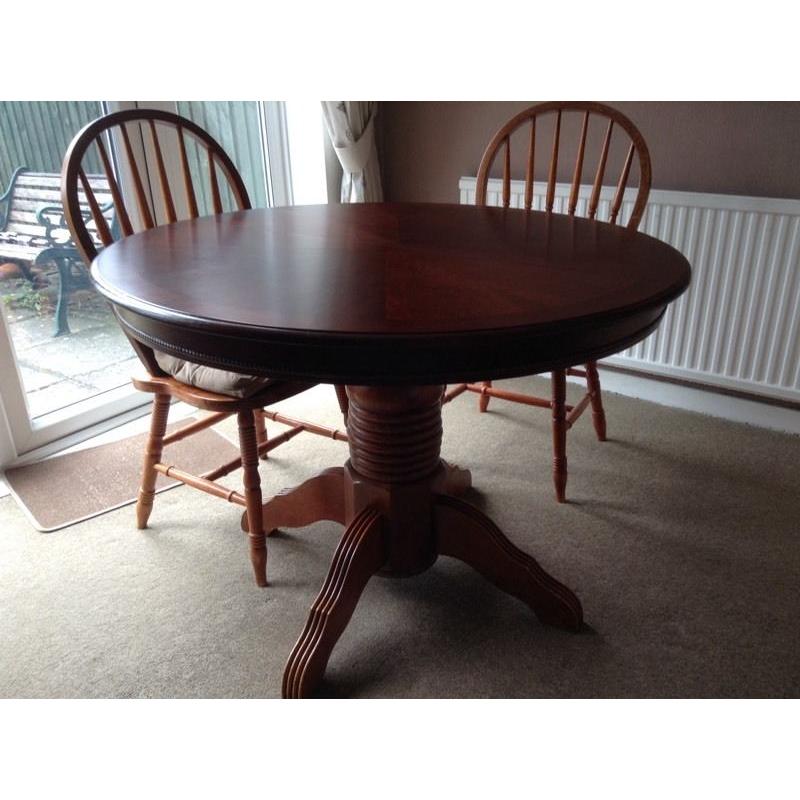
(700, 400)
(737, 328)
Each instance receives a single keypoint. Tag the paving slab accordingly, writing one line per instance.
(60, 370)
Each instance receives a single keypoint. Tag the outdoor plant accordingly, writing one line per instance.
(28, 298)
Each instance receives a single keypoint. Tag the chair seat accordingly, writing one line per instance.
(210, 379)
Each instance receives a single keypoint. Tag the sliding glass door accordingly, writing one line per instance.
(64, 363)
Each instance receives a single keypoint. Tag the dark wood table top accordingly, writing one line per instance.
(390, 293)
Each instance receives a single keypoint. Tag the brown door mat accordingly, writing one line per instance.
(63, 490)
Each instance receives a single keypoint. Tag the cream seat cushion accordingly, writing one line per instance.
(232, 384)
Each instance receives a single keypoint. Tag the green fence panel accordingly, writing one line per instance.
(235, 125)
(36, 134)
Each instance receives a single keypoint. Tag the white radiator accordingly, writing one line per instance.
(738, 325)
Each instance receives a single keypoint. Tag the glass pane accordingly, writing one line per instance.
(236, 126)
(68, 345)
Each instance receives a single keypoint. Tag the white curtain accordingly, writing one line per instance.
(351, 128)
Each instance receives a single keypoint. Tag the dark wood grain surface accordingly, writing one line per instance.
(389, 293)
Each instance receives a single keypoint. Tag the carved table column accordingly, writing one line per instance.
(400, 517)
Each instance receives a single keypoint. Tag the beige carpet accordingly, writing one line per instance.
(66, 489)
(682, 539)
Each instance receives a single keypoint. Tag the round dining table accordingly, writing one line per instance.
(393, 301)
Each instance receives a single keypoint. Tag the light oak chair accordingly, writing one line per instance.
(216, 391)
(612, 126)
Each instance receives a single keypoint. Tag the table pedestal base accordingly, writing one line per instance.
(396, 498)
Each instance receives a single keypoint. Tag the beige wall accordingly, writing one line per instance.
(728, 148)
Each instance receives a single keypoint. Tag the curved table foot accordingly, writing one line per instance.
(465, 533)
(320, 497)
(359, 555)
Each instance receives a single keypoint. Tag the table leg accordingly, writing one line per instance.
(465, 533)
(401, 516)
(318, 498)
(455, 481)
(360, 554)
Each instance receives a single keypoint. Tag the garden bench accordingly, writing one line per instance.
(33, 231)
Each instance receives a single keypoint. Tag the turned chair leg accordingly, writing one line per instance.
(252, 494)
(598, 414)
(152, 455)
(261, 430)
(559, 386)
(483, 399)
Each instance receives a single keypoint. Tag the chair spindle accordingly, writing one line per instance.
(529, 170)
(507, 174)
(97, 214)
(116, 195)
(601, 168)
(187, 176)
(141, 198)
(623, 180)
(212, 177)
(551, 178)
(166, 194)
(576, 178)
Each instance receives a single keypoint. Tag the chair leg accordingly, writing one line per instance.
(483, 399)
(559, 387)
(252, 494)
(152, 455)
(261, 430)
(598, 414)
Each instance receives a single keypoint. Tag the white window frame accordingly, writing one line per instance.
(277, 166)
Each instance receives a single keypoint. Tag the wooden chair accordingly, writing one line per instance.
(217, 391)
(524, 125)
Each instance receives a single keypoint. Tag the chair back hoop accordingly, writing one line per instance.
(615, 120)
(93, 225)
(90, 224)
